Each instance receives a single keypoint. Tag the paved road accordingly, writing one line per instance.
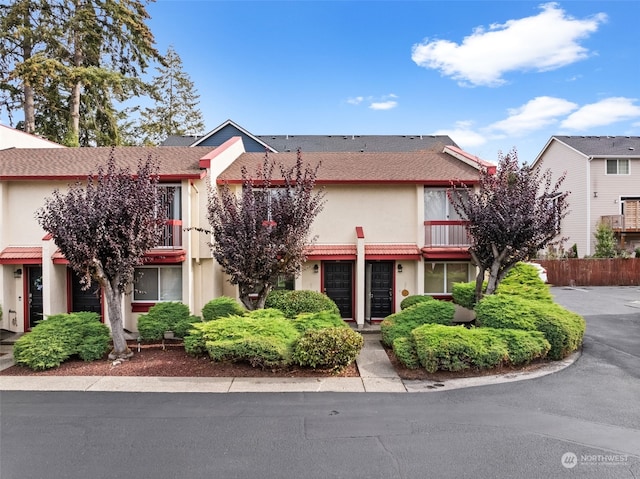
(588, 413)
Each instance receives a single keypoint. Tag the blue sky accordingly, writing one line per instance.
(494, 75)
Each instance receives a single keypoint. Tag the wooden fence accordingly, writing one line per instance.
(593, 272)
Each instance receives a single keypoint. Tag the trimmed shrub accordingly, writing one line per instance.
(183, 327)
(401, 324)
(267, 313)
(405, 351)
(523, 280)
(562, 328)
(329, 348)
(321, 320)
(60, 337)
(162, 317)
(464, 294)
(457, 348)
(415, 299)
(265, 342)
(221, 307)
(293, 303)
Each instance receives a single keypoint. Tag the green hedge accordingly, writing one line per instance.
(523, 281)
(464, 294)
(267, 341)
(60, 337)
(329, 348)
(415, 299)
(562, 328)
(401, 324)
(171, 316)
(405, 351)
(455, 348)
(293, 303)
(320, 320)
(221, 307)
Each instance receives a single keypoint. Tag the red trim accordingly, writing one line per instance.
(392, 252)
(417, 181)
(141, 307)
(25, 294)
(21, 255)
(205, 161)
(172, 177)
(332, 257)
(165, 256)
(446, 223)
(359, 232)
(446, 253)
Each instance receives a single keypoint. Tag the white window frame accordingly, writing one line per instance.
(427, 264)
(159, 269)
(617, 160)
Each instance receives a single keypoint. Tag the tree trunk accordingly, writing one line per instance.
(29, 110)
(114, 306)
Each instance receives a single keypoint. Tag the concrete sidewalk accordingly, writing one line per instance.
(376, 375)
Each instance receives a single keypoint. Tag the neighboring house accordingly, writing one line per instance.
(310, 143)
(12, 138)
(603, 176)
(387, 229)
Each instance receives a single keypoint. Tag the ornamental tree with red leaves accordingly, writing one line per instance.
(512, 215)
(262, 233)
(104, 228)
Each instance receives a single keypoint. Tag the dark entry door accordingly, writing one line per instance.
(338, 285)
(381, 289)
(85, 300)
(34, 279)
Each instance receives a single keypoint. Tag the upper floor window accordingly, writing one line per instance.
(437, 206)
(618, 167)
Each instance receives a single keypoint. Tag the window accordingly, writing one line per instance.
(437, 205)
(171, 201)
(439, 277)
(618, 167)
(286, 282)
(163, 283)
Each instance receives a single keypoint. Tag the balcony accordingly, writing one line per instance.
(446, 234)
(171, 235)
(629, 222)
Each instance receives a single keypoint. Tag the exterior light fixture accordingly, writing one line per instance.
(399, 268)
(17, 273)
(316, 268)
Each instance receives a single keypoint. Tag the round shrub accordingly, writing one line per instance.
(401, 324)
(293, 303)
(464, 294)
(562, 328)
(523, 281)
(221, 307)
(60, 337)
(160, 318)
(183, 327)
(415, 299)
(330, 348)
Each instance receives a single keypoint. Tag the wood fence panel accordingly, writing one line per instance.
(593, 272)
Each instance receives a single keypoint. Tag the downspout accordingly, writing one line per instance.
(197, 221)
(589, 158)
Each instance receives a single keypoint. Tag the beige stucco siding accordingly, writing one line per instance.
(387, 214)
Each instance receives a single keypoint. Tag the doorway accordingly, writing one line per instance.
(85, 300)
(34, 295)
(338, 285)
(379, 289)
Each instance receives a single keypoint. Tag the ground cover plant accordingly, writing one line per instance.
(61, 337)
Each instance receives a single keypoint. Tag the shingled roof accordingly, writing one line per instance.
(419, 167)
(77, 163)
(601, 146)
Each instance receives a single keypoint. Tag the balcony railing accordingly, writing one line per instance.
(171, 235)
(446, 234)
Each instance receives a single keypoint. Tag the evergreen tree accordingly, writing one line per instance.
(67, 61)
(606, 244)
(176, 104)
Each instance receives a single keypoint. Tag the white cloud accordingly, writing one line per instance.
(463, 135)
(537, 113)
(546, 41)
(355, 100)
(383, 105)
(604, 112)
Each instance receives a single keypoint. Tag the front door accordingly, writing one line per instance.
(338, 285)
(34, 285)
(85, 300)
(381, 292)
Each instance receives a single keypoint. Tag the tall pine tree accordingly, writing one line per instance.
(176, 104)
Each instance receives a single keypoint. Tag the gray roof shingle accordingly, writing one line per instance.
(355, 143)
(604, 145)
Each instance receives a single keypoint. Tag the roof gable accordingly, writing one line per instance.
(598, 146)
(227, 130)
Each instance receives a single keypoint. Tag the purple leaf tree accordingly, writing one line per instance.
(262, 233)
(104, 228)
(512, 215)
